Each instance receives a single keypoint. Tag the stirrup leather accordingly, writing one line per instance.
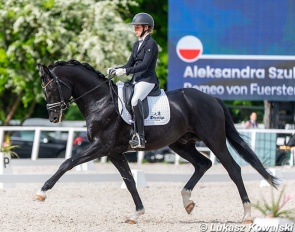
(137, 141)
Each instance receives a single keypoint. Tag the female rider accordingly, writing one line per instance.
(141, 64)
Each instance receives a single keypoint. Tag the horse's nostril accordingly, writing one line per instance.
(53, 119)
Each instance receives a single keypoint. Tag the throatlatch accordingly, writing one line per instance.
(138, 140)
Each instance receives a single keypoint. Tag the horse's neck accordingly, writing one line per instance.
(88, 84)
(97, 97)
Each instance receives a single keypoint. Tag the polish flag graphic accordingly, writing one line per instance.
(189, 48)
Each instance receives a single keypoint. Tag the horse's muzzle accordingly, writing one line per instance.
(56, 117)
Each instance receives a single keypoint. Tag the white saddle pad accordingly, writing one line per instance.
(159, 109)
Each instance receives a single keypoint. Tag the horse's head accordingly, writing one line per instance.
(57, 93)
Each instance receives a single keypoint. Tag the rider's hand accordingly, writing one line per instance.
(111, 71)
(120, 71)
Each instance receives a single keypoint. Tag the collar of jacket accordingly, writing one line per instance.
(146, 39)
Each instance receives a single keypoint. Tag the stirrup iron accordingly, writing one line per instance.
(137, 141)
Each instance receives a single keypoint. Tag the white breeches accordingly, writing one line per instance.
(141, 90)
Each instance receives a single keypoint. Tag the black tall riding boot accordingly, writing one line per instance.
(138, 140)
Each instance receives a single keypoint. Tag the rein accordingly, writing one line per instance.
(112, 91)
(72, 100)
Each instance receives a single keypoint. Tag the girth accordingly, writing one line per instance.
(128, 91)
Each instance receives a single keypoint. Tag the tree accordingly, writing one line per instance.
(33, 31)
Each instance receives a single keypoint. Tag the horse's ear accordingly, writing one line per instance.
(43, 70)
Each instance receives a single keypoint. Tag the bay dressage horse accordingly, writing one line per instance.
(195, 116)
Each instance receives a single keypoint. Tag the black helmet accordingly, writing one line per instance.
(143, 19)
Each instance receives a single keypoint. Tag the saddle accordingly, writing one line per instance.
(128, 91)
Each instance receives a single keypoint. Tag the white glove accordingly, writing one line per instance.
(120, 71)
(111, 71)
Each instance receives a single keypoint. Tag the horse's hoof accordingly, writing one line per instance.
(130, 221)
(190, 207)
(133, 218)
(248, 221)
(39, 198)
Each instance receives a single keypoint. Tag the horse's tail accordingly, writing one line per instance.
(243, 149)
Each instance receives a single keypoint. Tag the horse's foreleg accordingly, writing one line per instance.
(67, 165)
(201, 164)
(188, 204)
(64, 167)
(122, 165)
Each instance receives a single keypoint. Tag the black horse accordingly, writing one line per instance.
(195, 116)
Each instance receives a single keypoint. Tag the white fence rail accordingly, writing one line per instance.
(37, 130)
(262, 141)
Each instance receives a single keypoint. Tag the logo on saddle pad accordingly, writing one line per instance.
(157, 116)
(158, 108)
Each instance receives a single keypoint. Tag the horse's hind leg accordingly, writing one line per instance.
(201, 164)
(234, 171)
(122, 165)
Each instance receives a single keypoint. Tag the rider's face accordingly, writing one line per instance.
(138, 30)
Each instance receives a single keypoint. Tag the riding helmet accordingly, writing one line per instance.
(143, 19)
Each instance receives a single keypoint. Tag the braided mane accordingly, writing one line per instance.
(75, 62)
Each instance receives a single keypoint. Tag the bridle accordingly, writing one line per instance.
(61, 104)
(64, 105)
